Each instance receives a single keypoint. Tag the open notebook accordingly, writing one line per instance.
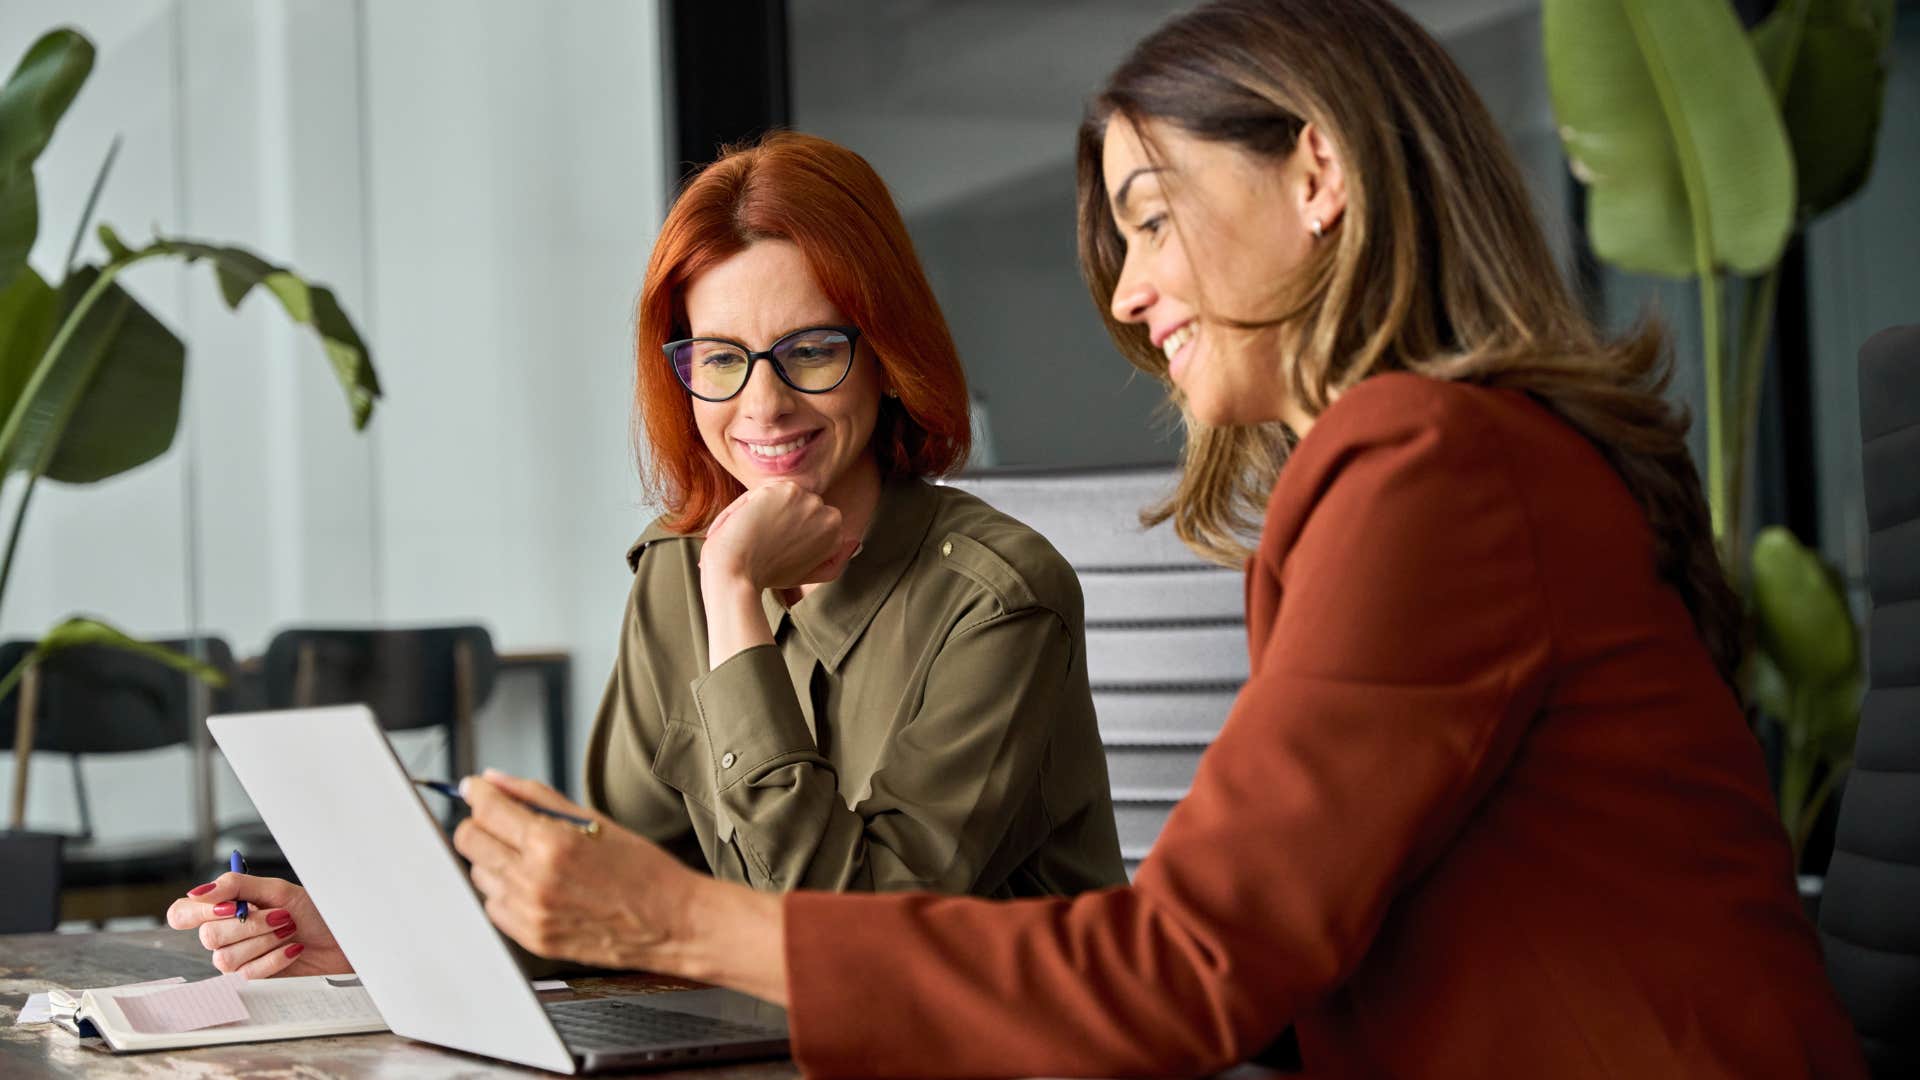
(229, 1009)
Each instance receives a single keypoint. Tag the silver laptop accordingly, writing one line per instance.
(396, 896)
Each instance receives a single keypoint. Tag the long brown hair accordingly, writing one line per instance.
(1436, 266)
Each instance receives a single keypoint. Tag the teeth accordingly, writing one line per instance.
(1177, 340)
(777, 449)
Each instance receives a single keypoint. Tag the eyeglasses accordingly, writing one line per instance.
(812, 361)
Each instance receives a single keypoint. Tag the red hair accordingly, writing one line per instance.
(829, 202)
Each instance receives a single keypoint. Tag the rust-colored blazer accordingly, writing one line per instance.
(1483, 809)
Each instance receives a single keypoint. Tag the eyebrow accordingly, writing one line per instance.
(1120, 197)
(777, 338)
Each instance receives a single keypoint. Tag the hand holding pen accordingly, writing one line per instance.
(587, 826)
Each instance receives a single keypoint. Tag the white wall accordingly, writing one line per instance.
(480, 186)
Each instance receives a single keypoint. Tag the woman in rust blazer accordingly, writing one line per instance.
(1487, 805)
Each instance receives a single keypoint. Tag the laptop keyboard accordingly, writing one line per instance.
(611, 1023)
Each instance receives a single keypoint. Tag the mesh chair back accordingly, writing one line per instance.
(1166, 632)
(1870, 910)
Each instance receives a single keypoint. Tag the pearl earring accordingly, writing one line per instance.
(1317, 227)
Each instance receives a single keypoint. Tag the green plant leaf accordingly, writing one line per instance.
(239, 271)
(104, 400)
(128, 413)
(19, 220)
(1801, 614)
(1831, 54)
(1767, 687)
(82, 630)
(32, 102)
(27, 310)
(39, 418)
(1666, 115)
(1833, 718)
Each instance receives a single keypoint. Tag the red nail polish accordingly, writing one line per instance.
(285, 931)
(295, 949)
(224, 907)
(201, 890)
(279, 917)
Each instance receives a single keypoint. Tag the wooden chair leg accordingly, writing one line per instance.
(305, 675)
(23, 736)
(462, 754)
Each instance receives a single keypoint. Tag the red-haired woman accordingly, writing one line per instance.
(831, 673)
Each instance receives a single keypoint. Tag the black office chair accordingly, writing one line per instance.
(413, 679)
(1870, 912)
(94, 700)
(431, 677)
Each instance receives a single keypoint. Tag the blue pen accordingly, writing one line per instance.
(585, 825)
(238, 864)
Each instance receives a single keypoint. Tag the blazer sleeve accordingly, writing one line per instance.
(1406, 656)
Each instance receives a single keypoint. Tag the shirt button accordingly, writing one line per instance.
(726, 760)
(946, 548)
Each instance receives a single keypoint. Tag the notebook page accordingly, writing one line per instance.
(279, 1004)
(203, 1004)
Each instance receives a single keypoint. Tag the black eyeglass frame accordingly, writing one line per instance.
(853, 353)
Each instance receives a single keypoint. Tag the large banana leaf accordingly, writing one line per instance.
(27, 309)
(1825, 60)
(1801, 612)
(73, 392)
(1666, 115)
(239, 271)
(34, 99)
(82, 630)
(130, 410)
(105, 396)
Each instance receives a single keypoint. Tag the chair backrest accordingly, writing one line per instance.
(1166, 631)
(1870, 910)
(412, 678)
(98, 700)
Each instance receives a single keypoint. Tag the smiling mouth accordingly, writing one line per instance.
(1177, 340)
(776, 451)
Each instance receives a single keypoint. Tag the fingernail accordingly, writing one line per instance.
(201, 890)
(279, 917)
(295, 949)
(464, 781)
(285, 931)
(224, 907)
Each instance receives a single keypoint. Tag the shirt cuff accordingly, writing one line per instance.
(751, 716)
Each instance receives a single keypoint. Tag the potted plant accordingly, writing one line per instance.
(1704, 148)
(90, 381)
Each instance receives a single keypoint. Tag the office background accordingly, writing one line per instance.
(480, 183)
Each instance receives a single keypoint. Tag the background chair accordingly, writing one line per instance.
(93, 700)
(432, 677)
(1166, 632)
(1870, 911)
(413, 679)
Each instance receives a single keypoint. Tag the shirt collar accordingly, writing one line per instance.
(832, 617)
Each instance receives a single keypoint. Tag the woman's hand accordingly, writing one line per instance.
(779, 536)
(611, 900)
(283, 933)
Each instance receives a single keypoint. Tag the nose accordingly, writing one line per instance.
(765, 398)
(1133, 296)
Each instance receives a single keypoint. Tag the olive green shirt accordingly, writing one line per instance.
(922, 722)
